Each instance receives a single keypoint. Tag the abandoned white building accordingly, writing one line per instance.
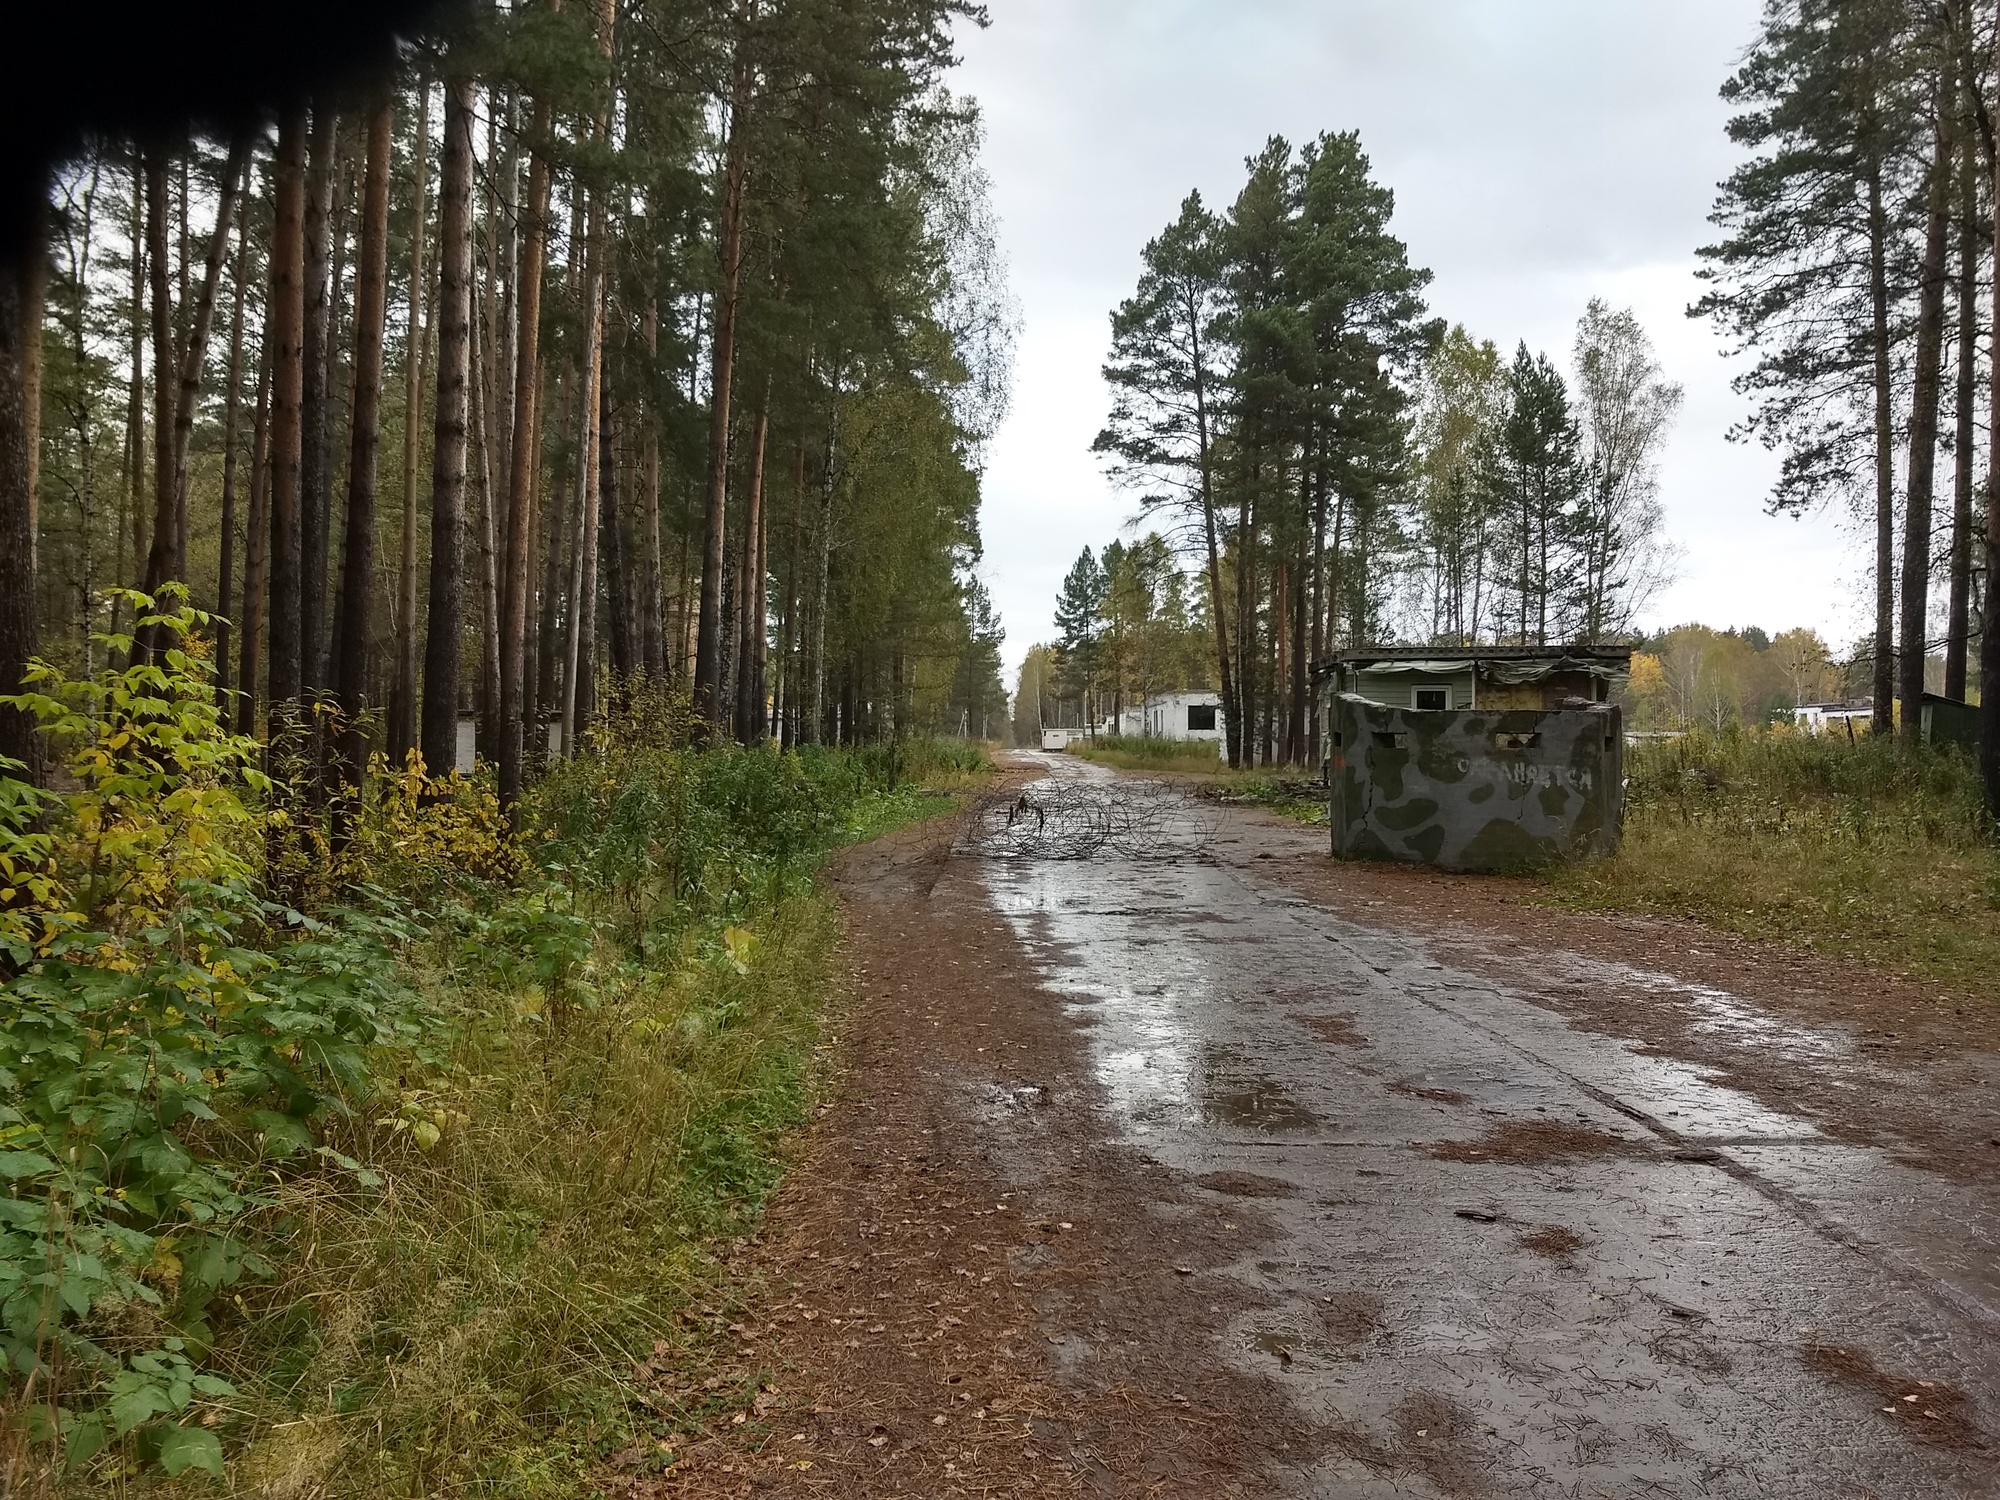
(1192, 715)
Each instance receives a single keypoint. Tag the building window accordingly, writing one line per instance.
(1433, 699)
(1201, 716)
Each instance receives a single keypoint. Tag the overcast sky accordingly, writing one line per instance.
(1542, 152)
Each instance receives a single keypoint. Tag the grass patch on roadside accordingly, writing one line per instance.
(1858, 850)
(1301, 798)
(537, 1303)
(1140, 753)
(518, 1288)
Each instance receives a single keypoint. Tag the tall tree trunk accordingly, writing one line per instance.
(517, 600)
(403, 695)
(445, 630)
(232, 402)
(132, 518)
(371, 307)
(814, 718)
(1989, 645)
(788, 623)
(1246, 618)
(1885, 453)
(1913, 634)
(20, 339)
(1314, 750)
(651, 621)
(710, 700)
(1295, 722)
(322, 150)
(487, 742)
(750, 589)
(559, 535)
(1959, 610)
(287, 335)
(612, 522)
(256, 545)
(583, 556)
(196, 323)
(162, 562)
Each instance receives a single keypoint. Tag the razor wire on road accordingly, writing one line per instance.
(1063, 818)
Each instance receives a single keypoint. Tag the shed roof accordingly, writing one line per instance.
(1479, 654)
(1514, 663)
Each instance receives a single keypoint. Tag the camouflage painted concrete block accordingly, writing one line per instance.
(1475, 789)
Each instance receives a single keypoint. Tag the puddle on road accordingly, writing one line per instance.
(1257, 1105)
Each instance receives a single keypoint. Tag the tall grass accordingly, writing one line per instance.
(1144, 753)
(518, 1284)
(1861, 848)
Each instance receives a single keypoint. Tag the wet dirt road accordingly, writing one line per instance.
(1498, 1253)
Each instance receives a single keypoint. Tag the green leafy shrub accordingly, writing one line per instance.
(168, 1042)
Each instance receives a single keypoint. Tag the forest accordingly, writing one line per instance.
(1342, 469)
(477, 536)
(1339, 467)
(597, 346)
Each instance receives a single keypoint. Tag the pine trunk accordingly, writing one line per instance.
(487, 742)
(814, 718)
(709, 698)
(1913, 643)
(517, 601)
(162, 563)
(322, 150)
(287, 334)
(371, 306)
(750, 592)
(132, 518)
(1989, 645)
(1959, 610)
(403, 695)
(578, 654)
(256, 546)
(445, 628)
(618, 588)
(232, 403)
(1885, 454)
(652, 624)
(20, 334)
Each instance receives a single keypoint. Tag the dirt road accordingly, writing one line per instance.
(1169, 1161)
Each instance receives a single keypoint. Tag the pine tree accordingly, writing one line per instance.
(1167, 373)
(1078, 616)
(1812, 272)
(1536, 477)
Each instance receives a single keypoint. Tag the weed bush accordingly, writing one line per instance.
(1863, 848)
(171, 1044)
(398, 1195)
(1141, 753)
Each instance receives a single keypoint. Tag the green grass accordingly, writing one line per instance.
(1298, 797)
(637, 1038)
(1858, 850)
(1135, 753)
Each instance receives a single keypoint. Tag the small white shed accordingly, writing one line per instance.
(1193, 715)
